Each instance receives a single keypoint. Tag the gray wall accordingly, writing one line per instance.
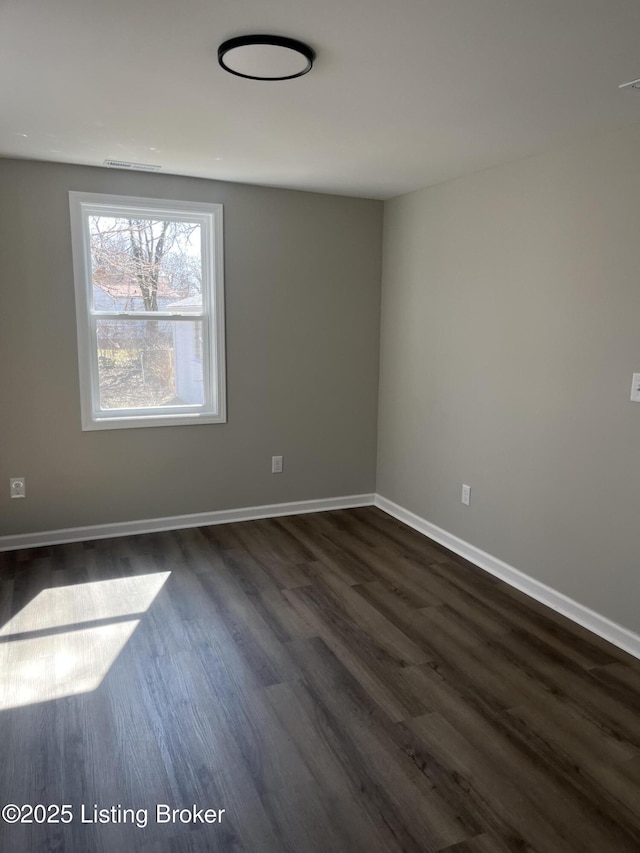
(303, 303)
(510, 332)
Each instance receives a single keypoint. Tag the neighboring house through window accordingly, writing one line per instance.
(150, 312)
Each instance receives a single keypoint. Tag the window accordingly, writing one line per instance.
(149, 302)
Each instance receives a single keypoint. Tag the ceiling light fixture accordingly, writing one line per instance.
(634, 84)
(266, 57)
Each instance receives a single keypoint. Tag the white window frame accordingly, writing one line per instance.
(209, 217)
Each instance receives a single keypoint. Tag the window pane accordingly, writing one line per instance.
(149, 363)
(145, 264)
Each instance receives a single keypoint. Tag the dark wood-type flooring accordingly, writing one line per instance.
(335, 682)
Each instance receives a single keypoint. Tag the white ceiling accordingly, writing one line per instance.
(403, 94)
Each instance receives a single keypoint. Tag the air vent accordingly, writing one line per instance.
(634, 84)
(125, 164)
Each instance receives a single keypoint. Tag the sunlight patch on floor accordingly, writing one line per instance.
(64, 641)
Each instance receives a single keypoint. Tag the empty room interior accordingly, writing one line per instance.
(319, 426)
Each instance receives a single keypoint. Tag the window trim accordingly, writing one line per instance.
(210, 217)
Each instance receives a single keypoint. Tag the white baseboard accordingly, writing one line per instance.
(589, 619)
(178, 522)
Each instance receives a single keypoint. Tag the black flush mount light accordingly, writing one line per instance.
(266, 57)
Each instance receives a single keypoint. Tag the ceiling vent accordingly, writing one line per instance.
(125, 164)
(634, 84)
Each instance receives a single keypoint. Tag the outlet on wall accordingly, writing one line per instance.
(466, 494)
(276, 464)
(635, 388)
(17, 487)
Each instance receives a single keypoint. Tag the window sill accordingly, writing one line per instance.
(134, 421)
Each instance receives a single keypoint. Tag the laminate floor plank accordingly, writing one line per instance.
(484, 843)
(325, 549)
(258, 643)
(401, 788)
(564, 740)
(403, 538)
(6, 603)
(283, 619)
(515, 611)
(608, 709)
(623, 679)
(394, 570)
(469, 664)
(369, 658)
(369, 619)
(28, 772)
(286, 546)
(269, 552)
(318, 738)
(522, 762)
(332, 683)
(412, 578)
(185, 722)
(544, 810)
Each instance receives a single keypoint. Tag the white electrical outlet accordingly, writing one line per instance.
(276, 464)
(466, 494)
(635, 388)
(17, 487)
